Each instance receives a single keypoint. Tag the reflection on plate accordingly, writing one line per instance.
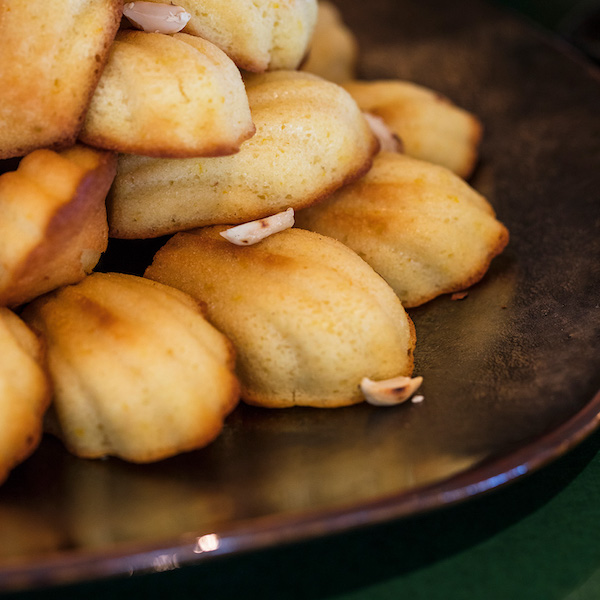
(510, 372)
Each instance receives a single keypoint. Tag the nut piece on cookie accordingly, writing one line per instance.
(421, 227)
(333, 52)
(137, 370)
(168, 96)
(54, 228)
(258, 35)
(53, 53)
(388, 140)
(24, 391)
(310, 139)
(308, 318)
(430, 127)
(156, 17)
(253, 232)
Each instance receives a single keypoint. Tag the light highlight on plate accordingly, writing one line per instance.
(207, 543)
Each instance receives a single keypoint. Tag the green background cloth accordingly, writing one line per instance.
(538, 538)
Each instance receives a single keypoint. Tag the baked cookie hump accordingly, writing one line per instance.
(24, 391)
(258, 35)
(168, 96)
(308, 318)
(430, 126)
(420, 226)
(333, 52)
(310, 139)
(138, 372)
(53, 228)
(52, 54)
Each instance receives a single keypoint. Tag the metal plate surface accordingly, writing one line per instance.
(511, 373)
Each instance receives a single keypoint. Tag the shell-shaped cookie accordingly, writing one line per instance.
(53, 228)
(421, 227)
(310, 139)
(308, 318)
(431, 127)
(168, 96)
(258, 35)
(137, 370)
(334, 49)
(52, 54)
(24, 391)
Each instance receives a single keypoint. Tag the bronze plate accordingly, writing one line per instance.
(511, 372)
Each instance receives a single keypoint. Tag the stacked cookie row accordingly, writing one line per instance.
(215, 124)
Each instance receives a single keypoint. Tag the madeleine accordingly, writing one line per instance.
(309, 319)
(53, 53)
(311, 138)
(54, 227)
(168, 96)
(138, 372)
(258, 35)
(430, 126)
(420, 226)
(334, 49)
(24, 391)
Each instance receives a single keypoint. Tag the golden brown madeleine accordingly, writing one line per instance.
(293, 27)
(256, 34)
(421, 227)
(309, 318)
(168, 96)
(310, 139)
(52, 57)
(333, 51)
(24, 391)
(430, 126)
(53, 228)
(138, 372)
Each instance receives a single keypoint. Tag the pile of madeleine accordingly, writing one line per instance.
(302, 212)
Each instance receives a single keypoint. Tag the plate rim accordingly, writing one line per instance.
(248, 535)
